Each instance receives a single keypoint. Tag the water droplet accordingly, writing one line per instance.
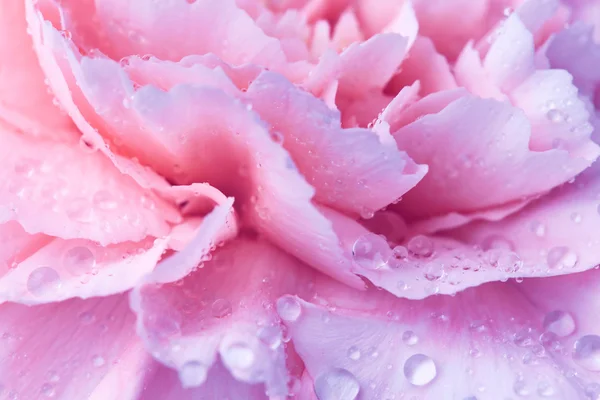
(576, 217)
(354, 353)
(559, 322)
(420, 370)
(371, 251)
(497, 242)
(48, 390)
(79, 260)
(561, 257)
(79, 210)
(538, 229)
(507, 11)
(104, 200)
(98, 361)
(221, 308)
(270, 336)
(410, 338)
(43, 281)
(556, 116)
(238, 356)
(544, 389)
(434, 271)
(337, 384)
(288, 308)
(520, 388)
(87, 318)
(420, 246)
(192, 374)
(587, 352)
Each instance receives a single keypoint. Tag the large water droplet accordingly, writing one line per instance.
(561, 257)
(521, 388)
(192, 374)
(559, 322)
(420, 369)
(420, 246)
(587, 352)
(337, 384)
(371, 251)
(79, 260)
(43, 281)
(221, 308)
(288, 308)
(545, 389)
(238, 356)
(270, 336)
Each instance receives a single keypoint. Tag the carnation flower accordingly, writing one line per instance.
(299, 199)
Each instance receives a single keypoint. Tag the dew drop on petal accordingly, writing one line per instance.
(43, 281)
(420, 246)
(371, 251)
(270, 336)
(587, 352)
(192, 374)
(337, 384)
(98, 361)
(544, 389)
(559, 322)
(79, 260)
(410, 338)
(221, 308)
(420, 369)
(556, 116)
(104, 200)
(521, 388)
(238, 356)
(561, 257)
(354, 353)
(288, 308)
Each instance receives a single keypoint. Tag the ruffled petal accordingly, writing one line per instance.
(20, 73)
(554, 235)
(71, 350)
(79, 194)
(223, 308)
(499, 340)
(479, 156)
(63, 269)
(376, 175)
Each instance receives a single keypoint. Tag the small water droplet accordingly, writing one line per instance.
(270, 336)
(288, 308)
(354, 353)
(544, 389)
(43, 281)
(79, 260)
(221, 308)
(371, 251)
(520, 388)
(337, 384)
(87, 318)
(587, 352)
(420, 369)
(559, 322)
(556, 116)
(420, 246)
(561, 257)
(410, 338)
(104, 200)
(48, 390)
(576, 217)
(238, 356)
(192, 374)
(98, 361)
(538, 229)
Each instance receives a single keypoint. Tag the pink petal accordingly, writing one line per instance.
(63, 269)
(56, 53)
(426, 65)
(370, 65)
(312, 134)
(575, 50)
(79, 194)
(223, 308)
(554, 235)
(70, 350)
(500, 340)
(35, 112)
(164, 384)
(470, 73)
(347, 31)
(479, 156)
